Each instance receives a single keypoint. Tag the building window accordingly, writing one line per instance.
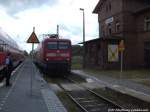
(117, 26)
(147, 24)
(109, 29)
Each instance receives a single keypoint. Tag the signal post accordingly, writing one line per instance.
(32, 39)
(121, 48)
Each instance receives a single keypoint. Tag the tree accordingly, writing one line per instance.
(77, 50)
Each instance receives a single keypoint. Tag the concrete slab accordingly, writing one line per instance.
(55, 87)
(2, 83)
(124, 86)
(71, 87)
(93, 85)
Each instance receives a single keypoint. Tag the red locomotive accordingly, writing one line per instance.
(7, 44)
(54, 54)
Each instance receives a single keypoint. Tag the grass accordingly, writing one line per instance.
(140, 76)
(128, 74)
(67, 102)
(144, 82)
(134, 75)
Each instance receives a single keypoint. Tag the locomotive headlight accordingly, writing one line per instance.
(51, 54)
(68, 59)
(46, 59)
(64, 54)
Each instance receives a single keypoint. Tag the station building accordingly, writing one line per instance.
(127, 20)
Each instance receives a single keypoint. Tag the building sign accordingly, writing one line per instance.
(113, 53)
(109, 20)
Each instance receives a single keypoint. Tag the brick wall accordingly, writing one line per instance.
(131, 29)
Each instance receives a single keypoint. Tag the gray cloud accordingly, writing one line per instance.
(14, 6)
(74, 29)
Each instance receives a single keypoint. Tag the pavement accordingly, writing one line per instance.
(29, 92)
(122, 85)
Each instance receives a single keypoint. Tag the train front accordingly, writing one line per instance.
(58, 54)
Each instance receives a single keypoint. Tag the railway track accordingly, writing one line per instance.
(123, 102)
(89, 101)
(95, 101)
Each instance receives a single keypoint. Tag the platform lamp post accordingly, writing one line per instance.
(83, 38)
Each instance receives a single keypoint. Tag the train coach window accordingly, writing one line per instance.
(52, 45)
(63, 45)
(1, 48)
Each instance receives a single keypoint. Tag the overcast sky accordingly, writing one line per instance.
(17, 18)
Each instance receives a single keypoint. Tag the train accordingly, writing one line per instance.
(7, 44)
(54, 54)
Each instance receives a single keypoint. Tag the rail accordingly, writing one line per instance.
(90, 101)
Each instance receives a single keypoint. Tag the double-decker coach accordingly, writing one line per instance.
(7, 44)
(54, 53)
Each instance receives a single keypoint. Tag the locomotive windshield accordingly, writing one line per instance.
(52, 45)
(58, 45)
(63, 45)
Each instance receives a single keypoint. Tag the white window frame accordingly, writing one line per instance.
(146, 22)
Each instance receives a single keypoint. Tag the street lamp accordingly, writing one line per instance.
(83, 38)
(83, 25)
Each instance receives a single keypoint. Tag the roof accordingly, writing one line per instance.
(98, 6)
(6, 39)
(104, 38)
(55, 39)
(100, 3)
(138, 11)
(97, 39)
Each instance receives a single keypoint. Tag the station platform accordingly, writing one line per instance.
(122, 85)
(29, 92)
